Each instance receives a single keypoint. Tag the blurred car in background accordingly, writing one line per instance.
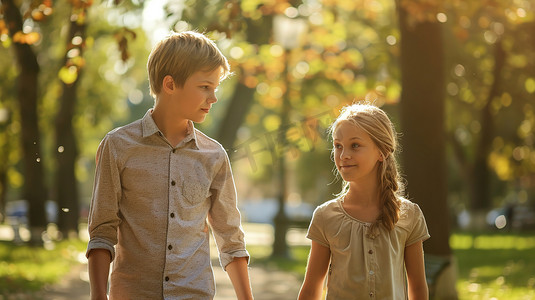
(513, 216)
(263, 211)
(17, 211)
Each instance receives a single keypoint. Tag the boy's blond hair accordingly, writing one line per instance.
(182, 54)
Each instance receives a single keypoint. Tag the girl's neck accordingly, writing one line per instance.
(364, 195)
(362, 204)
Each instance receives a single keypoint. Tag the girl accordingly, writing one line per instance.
(369, 239)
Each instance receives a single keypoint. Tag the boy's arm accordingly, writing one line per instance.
(103, 220)
(414, 264)
(318, 264)
(99, 267)
(224, 216)
(239, 276)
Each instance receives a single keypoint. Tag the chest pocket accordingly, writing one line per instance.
(195, 188)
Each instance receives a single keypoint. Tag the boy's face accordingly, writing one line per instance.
(196, 97)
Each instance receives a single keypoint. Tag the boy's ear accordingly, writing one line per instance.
(168, 84)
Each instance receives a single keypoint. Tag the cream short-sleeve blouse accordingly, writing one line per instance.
(365, 265)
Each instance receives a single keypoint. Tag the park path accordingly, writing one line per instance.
(266, 284)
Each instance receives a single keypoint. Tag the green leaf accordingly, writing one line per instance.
(530, 85)
(68, 74)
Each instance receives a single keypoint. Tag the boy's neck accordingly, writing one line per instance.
(174, 129)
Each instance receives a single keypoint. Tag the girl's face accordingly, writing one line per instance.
(355, 154)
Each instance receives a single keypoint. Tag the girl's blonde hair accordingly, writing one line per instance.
(376, 123)
(182, 54)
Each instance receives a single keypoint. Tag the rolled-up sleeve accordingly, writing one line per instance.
(224, 216)
(103, 214)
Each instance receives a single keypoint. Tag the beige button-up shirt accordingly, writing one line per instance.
(366, 265)
(150, 206)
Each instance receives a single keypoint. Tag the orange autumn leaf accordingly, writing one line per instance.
(77, 61)
(18, 37)
(38, 15)
(30, 38)
(462, 34)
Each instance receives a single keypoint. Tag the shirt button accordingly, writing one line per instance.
(371, 294)
(172, 215)
(173, 182)
(371, 273)
(169, 247)
(370, 251)
(166, 278)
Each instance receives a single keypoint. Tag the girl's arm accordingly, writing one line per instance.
(239, 276)
(318, 264)
(414, 263)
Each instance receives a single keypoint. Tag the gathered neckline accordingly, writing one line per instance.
(340, 201)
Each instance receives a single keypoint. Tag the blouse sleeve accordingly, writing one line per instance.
(419, 230)
(316, 231)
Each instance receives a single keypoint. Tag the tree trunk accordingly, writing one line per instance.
(237, 110)
(34, 188)
(481, 196)
(66, 184)
(258, 32)
(280, 221)
(3, 193)
(5, 149)
(422, 119)
(67, 150)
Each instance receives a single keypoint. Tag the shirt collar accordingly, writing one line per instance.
(149, 128)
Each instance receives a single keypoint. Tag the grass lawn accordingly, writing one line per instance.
(493, 266)
(25, 269)
(261, 255)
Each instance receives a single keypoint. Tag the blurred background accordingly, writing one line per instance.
(457, 78)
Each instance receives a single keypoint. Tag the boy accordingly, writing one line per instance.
(158, 180)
